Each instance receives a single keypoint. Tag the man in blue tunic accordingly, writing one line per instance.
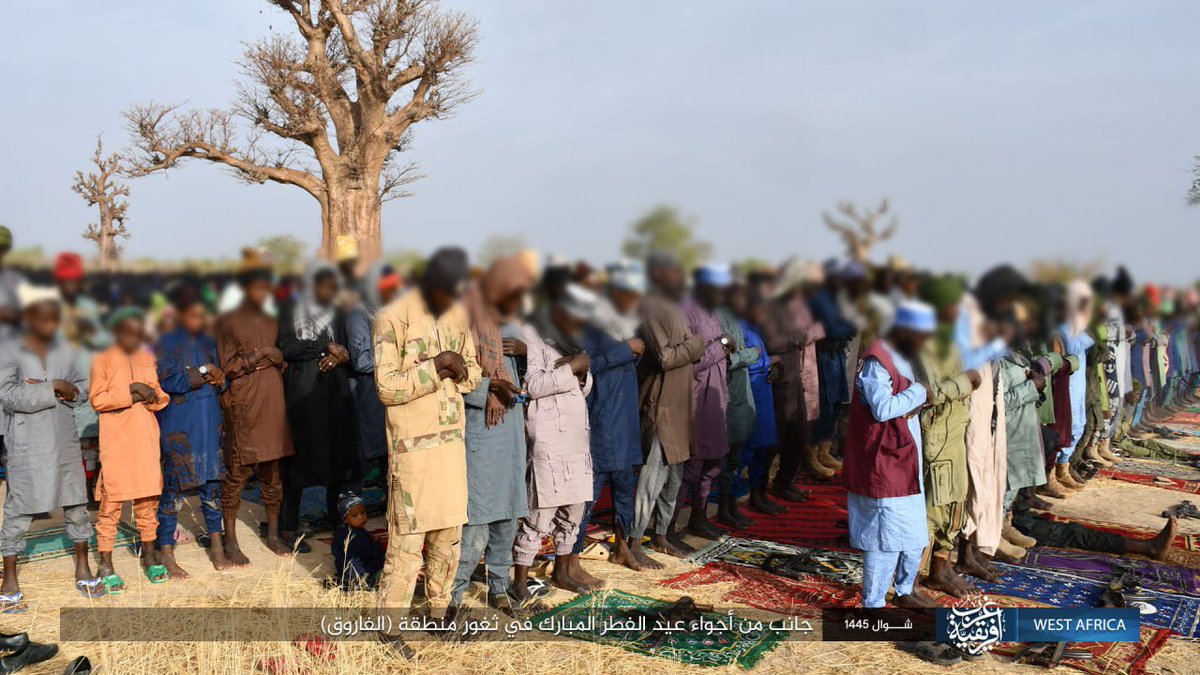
(883, 472)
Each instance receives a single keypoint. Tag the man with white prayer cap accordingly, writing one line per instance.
(882, 470)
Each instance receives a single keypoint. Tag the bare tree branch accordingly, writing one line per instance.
(99, 188)
(861, 233)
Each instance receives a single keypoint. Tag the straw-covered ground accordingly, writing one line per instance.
(296, 582)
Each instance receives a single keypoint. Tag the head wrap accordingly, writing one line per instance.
(832, 268)
(627, 275)
(253, 267)
(5, 236)
(996, 284)
(312, 320)
(718, 275)
(122, 313)
(29, 295)
(578, 301)
(529, 258)
(447, 270)
(346, 502)
(915, 315)
(1153, 296)
(1122, 283)
(68, 267)
(795, 273)
(941, 292)
(345, 247)
(375, 280)
(660, 260)
(853, 271)
(1078, 291)
(1102, 286)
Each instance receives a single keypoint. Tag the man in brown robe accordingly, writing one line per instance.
(665, 396)
(256, 431)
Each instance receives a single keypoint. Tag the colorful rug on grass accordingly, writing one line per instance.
(1164, 482)
(745, 645)
(1108, 658)
(820, 522)
(837, 566)
(756, 588)
(1158, 467)
(1104, 567)
(53, 542)
(1178, 613)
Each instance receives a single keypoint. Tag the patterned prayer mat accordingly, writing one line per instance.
(756, 588)
(1165, 482)
(821, 522)
(1178, 613)
(1109, 658)
(1104, 567)
(744, 645)
(53, 542)
(837, 566)
(1158, 467)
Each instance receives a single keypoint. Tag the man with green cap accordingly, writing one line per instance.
(943, 429)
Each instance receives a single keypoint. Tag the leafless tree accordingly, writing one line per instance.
(862, 232)
(1194, 193)
(329, 107)
(100, 188)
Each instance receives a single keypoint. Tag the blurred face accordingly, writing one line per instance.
(566, 322)
(388, 294)
(70, 288)
(669, 280)
(4, 252)
(193, 318)
(625, 301)
(909, 342)
(439, 300)
(325, 288)
(737, 300)
(349, 268)
(357, 517)
(42, 319)
(258, 291)
(948, 314)
(508, 306)
(708, 296)
(128, 334)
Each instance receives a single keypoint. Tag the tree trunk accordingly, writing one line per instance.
(355, 212)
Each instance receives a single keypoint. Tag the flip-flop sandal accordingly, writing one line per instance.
(158, 574)
(538, 588)
(113, 584)
(13, 603)
(91, 588)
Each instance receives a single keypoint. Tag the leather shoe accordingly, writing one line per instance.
(13, 643)
(27, 656)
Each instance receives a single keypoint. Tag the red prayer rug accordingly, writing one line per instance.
(763, 590)
(1109, 658)
(820, 522)
(1165, 482)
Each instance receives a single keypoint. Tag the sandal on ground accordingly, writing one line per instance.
(931, 652)
(80, 665)
(113, 584)
(1050, 654)
(13, 603)
(158, 574)
(91, 588)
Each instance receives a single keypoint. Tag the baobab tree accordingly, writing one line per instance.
(862, 232)
(1194, 193)
(101, 189)
(326, 108)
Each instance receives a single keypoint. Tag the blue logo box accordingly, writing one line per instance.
(989, 625)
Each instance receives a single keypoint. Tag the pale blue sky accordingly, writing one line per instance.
(999, 130)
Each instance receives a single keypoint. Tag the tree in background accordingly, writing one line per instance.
(285, 250)
(860, 231)
(499, 246)
(328, 107)
(1194, 193)
(100, 188)
(665, 229)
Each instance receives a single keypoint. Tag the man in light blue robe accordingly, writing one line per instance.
(1076, 342)
(892, 532)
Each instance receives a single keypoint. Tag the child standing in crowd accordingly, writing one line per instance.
(559, 380)
(40, 385)
(126, 394)
(190, 427)
(357, 557)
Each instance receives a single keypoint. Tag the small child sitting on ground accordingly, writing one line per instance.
(357, 556)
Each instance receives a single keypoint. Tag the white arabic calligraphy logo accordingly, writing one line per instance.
(975, 630)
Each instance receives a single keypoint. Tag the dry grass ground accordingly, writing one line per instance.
(295, 582)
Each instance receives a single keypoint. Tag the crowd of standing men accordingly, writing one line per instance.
(502, 402)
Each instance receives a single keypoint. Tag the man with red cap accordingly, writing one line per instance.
(80, 312)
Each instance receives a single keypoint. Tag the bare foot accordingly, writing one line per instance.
(663, 544)
(279, 547)
(914, 600)
(645, 561)
(576, 572)
(1162, 542)
(623, 556)
(167, 556)
(235, 556)
(675, 538)
(560, 579)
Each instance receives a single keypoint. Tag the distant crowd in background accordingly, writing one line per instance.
(496, 405)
